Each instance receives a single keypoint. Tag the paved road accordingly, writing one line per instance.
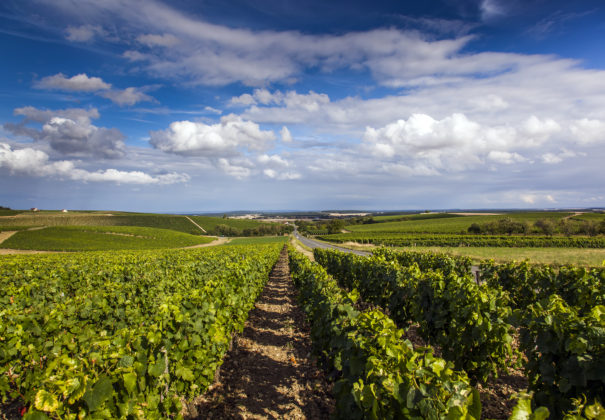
(311, 243)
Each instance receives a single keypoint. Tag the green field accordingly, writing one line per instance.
(576, 256)
(258, 240)
(420, 216)
(178, 223)
(121, 328)
(7, 212)
(452, 224)
(209, 223)
(99, 238)
(98, 218)
(597, 217)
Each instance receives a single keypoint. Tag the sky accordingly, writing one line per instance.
(202, 106)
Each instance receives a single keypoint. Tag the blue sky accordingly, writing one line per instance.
(213, 106)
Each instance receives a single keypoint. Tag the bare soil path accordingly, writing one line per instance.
(191, 220)
(269, 372)
(216, 242)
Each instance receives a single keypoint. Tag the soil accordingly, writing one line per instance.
(269, 373)
(218, 241)
(11, 410)
(6, 234)
(6, 251)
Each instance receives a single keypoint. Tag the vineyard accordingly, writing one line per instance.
(212, 225)
(101, 238)
(559, 314)
(141, 334)
(129, 334)
(399, 239)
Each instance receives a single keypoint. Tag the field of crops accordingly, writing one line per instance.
(161, 221)
(421, 216)
(559, 312)
(138, 333)
(439, 223)
(259, 240)
(121, 334)
(586, 257)
(509, 241)
(178, 223)
(100, 238)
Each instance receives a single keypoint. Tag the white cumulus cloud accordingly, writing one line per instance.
(70, 132)
(78, 83)
(587, 131)
(229, 137)
(36, 163)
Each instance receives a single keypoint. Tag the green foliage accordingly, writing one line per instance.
(402, 239)
(503, 226)
(441, 223)
(566, 353)
(380, 375)
(160, 221)
(100, 238)
(583, 409)
(259, 240)
(428, 261)
(468, 321)
(336, 225)
(526, 283)
(239, 227)
(523, 410)
(122, 334)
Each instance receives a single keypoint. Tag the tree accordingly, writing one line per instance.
(546, 226)
(474, 229)
(336, 225)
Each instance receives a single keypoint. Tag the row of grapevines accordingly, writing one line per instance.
(381, 376)
(468, 321)
(566, 353)
(403, 239)
(129, 334)
(580, 287)
(564, 344)
(429, 261)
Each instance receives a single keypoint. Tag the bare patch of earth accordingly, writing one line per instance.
(6, 234)
(6, 251)
(11, 410)
(218, 241)
(269, 372)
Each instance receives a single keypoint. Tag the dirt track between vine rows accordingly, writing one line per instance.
(269, 373)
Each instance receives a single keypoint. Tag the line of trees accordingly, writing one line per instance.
(264, 229)
(568, 227)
